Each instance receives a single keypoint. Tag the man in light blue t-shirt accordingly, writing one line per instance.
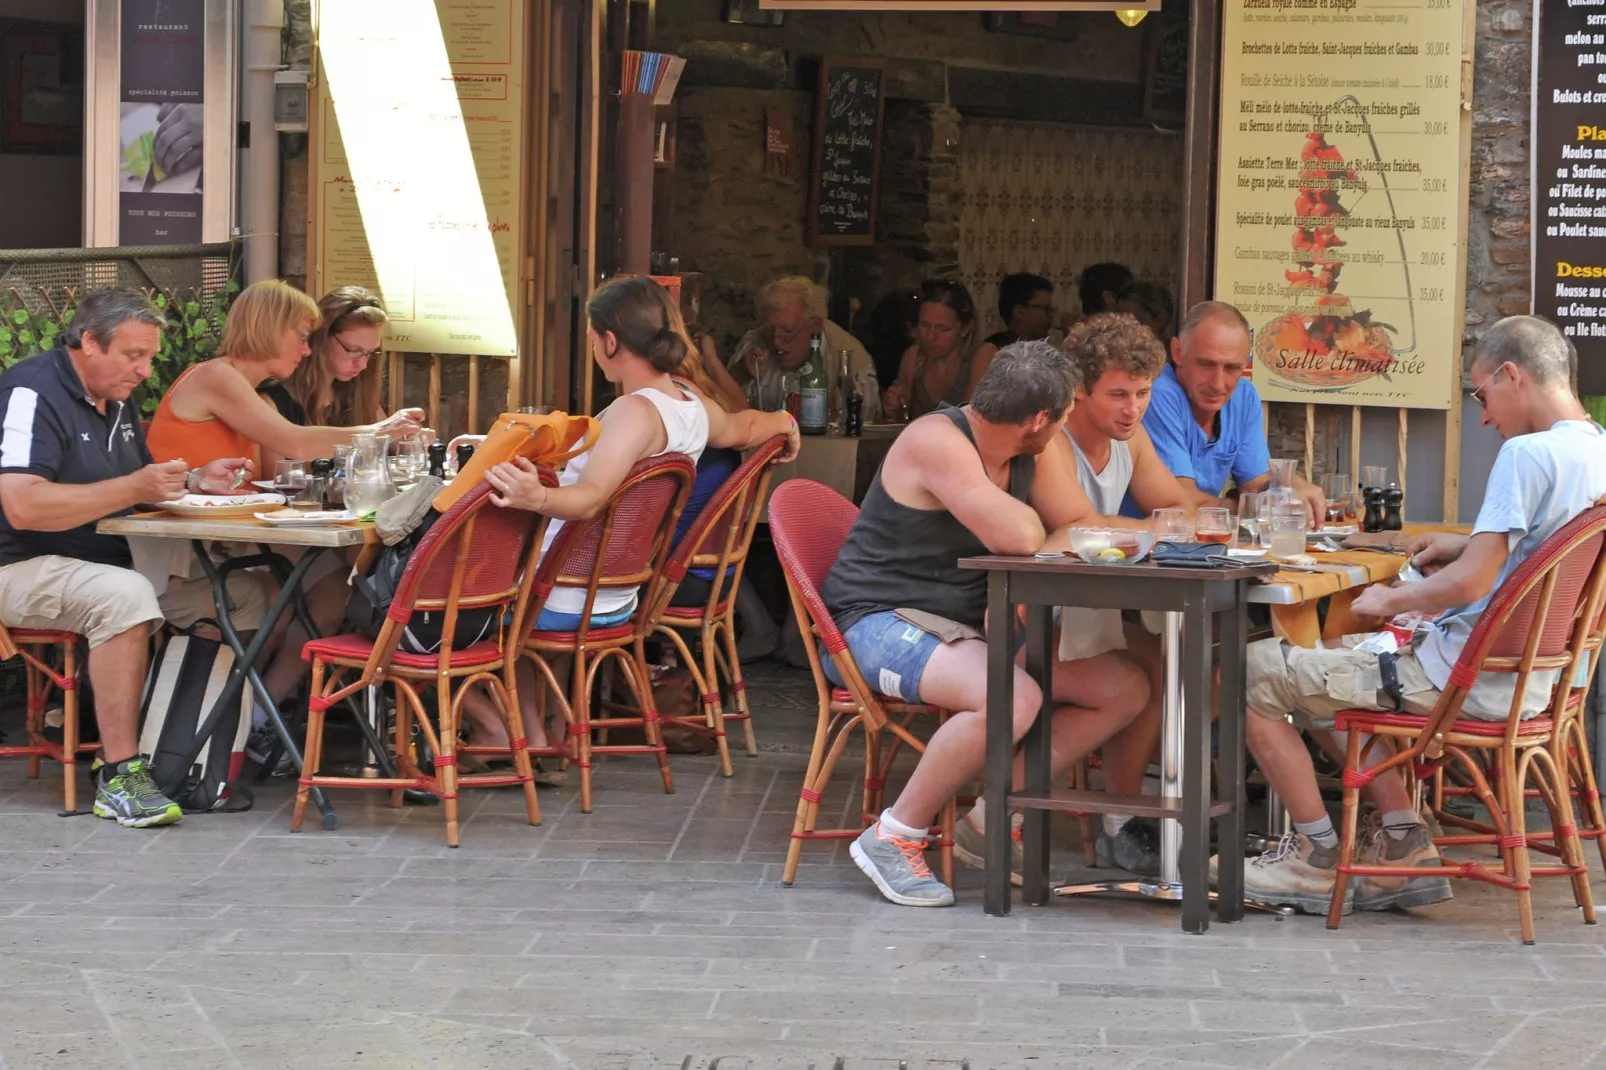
(1205, 417)
(1551, 468)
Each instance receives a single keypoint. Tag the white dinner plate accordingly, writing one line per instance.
(219, 506)
(1245, 552)
(308, 519)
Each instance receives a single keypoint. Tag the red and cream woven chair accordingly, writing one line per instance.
(1540, 619)
(623, 546)
(809, 522)
(719, 540)
(474, 557)
(50, 664)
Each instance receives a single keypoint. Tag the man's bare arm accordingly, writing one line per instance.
(34, 503)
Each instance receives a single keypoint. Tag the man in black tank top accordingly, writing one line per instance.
(961, 483)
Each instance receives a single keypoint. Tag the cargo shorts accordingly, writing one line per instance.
(1314, 685)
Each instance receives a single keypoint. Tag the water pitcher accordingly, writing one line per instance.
(368, 482)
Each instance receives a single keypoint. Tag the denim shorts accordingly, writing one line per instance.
(552, 620)
(890, 652)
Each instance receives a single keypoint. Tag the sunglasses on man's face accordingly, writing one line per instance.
(1477, 393)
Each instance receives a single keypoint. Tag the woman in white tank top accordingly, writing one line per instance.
(635, 344)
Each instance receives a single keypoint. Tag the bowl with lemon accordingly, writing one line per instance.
(1111, 546)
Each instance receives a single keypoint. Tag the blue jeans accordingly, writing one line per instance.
(890, 652)
(552, 621)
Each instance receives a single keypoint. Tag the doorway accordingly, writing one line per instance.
(42, 124)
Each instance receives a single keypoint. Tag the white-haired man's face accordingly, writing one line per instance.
(791, 328)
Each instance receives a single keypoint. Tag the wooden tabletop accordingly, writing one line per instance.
(246, 529)
(1147, 570)
(1340, 571)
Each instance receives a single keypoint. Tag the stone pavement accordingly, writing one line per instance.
(654, 933)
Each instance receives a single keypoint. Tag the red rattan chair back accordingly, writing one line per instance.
(722, 534)
(1540, 618)
(809, 523)
(625, 544)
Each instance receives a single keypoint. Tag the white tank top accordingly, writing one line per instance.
(1087, 633)
(1106, 489)
(686, 431)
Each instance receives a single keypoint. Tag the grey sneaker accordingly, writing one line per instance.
(1296, 873)
(899, 869)
(1136, 848)
(970, 847)
(1376, 847)
(130, 797)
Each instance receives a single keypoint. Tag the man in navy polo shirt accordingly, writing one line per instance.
(71, 454)
(1205, 417)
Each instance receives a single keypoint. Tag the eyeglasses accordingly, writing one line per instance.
(1041, 308)
(365, 354)
(1477, 394)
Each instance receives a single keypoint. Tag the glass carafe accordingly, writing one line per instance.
(1283, 498)
(368, 482)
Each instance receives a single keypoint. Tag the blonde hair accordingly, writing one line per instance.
(794, 290)
(260, 315)
(326, 402)
(691, 366)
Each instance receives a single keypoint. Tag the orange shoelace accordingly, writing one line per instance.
(914, 851)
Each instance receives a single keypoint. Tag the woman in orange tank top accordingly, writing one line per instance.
(213, 410)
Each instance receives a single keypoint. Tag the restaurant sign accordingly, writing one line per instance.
(1569, 180)
(1341, 185)
(417, 143)
(960, 5)
(161, 122)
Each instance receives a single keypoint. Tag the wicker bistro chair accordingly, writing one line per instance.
(474, 557)
(810, 522)
(720, 540)
(1545, 616)
(50, 663)
(623, 546)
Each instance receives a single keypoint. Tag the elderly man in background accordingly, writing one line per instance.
(72, 453)
(1205, 417)
(794, 311)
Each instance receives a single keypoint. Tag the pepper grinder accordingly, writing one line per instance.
(1373, 520)
(318, 486)
(1393, 508)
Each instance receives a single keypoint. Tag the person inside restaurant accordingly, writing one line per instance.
(794, 312)
(1100, 285)
(941, 366)
(213, 410)
(71, 454)
(1551, 467)
(889, 331)
(1117, 360)
(639, 344)
(1151, 305)
(1205, 417)
(1026, 305)
(958, 483)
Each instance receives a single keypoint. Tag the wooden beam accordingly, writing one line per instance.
(1199, 151)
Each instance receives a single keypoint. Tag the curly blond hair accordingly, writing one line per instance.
(1112, 341)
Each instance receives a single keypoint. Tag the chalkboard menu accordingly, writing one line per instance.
(1569, 181)
(847, 152)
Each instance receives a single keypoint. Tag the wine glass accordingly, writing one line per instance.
(411, 458)
(1249, 504)
(1173, 525)
(1214, 525)
(1340, 500)
(289, 479)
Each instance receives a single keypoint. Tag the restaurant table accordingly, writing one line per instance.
(846, 465)
(1191, 599)
(248, 530)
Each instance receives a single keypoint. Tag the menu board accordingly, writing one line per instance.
(847, 153)
(1341, 185)
(417, 143)
(1569, 180)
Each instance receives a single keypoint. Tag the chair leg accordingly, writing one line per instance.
(580, 705)
(808, 802)
(727, 635)
(514, 715)
(37, 692)
(945, 853)
(652, 725)
(402, 741)
(1346, 837)
(310, 748)
(1510, 788)
(69, 731)
(446, 760)
(713, 707)
(1589, 807)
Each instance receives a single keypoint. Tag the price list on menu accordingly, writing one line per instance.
(417, 157)
(1341, 180)
(1569, 179)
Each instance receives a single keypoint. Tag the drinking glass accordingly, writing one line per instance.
(1214, 525)
(411, 458)
(1375, 475)
(1249, 519)
(1285, 537)
(290, 479)
(1173, 525)
(1340, 498)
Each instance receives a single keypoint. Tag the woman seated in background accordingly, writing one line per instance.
(339, 384)
(213, 411)
(634, 339)
(944, 364)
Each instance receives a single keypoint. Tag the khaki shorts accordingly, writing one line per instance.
(1313, 685)
(99, 602)
(187, 601)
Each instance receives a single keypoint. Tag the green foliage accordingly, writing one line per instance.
(194, 328)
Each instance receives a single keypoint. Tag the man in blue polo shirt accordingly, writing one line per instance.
(1205, 418)
(72, 453)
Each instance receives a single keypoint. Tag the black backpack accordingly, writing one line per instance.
(186, 677)
(373, 592)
